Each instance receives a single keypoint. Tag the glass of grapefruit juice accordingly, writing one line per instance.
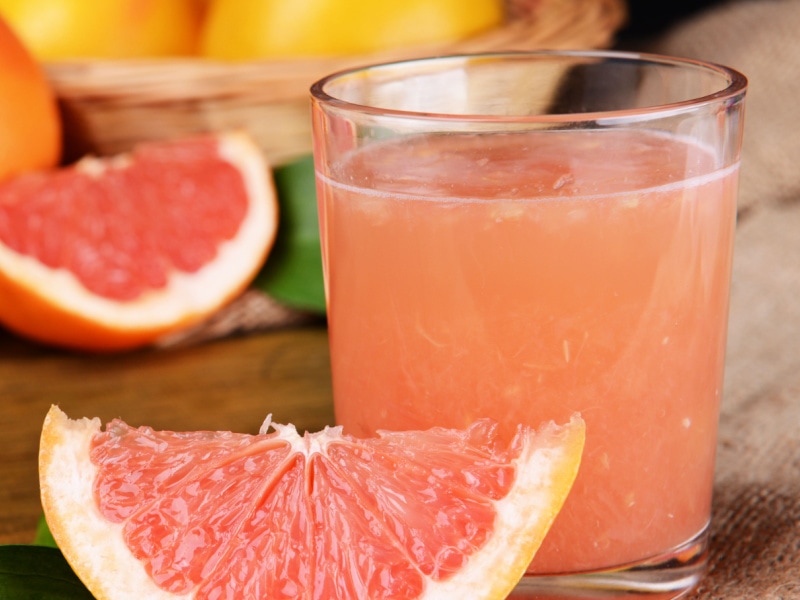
(523, 236)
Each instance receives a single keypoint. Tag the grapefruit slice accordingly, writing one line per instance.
(113, 253)
(422, 514)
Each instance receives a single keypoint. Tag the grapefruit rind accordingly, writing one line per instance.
(95, 549)
(36, 289)
(544, 479)
(92, 545)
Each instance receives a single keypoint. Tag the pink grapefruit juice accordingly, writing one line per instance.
(527, 276)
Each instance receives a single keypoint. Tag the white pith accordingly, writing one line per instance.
(187, 294)
(95, 548)
(93, 545)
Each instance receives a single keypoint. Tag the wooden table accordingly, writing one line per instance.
(230, 384)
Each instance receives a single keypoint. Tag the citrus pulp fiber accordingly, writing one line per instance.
(424, 514)
(30, 126)
(115, 252)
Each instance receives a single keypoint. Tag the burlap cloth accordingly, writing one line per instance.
(755, 550)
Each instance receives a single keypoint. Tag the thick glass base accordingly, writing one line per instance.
(665, 577)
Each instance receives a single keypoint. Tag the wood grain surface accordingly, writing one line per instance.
(230, 384)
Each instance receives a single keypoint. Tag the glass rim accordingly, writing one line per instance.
(736, 86)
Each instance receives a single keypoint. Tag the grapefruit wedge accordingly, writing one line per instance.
(441, 513)
(113, 253)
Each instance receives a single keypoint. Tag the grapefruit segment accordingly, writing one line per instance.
(428, 514)
(115, 252)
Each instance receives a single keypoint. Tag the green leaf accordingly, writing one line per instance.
(293, 272)
(43, 536)
(38, 573)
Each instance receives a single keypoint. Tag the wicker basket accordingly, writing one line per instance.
(108, 106)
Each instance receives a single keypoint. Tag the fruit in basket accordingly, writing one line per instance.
(30, 126)
(75, 29)
(441, 513)
(250, 29)
(113, 253)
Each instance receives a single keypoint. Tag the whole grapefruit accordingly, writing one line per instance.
(250, 29)
(109, 29)
(30, 125)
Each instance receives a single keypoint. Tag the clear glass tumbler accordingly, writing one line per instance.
(526, 235)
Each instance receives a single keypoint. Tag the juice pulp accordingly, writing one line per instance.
(526, 276)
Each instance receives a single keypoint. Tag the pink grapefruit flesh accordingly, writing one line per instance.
(115, 252)
(426, 514)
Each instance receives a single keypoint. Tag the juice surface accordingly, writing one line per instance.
(527, 276)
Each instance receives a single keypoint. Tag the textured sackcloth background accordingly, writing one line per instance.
(755, 549)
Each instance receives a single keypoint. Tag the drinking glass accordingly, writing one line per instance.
(523, 236)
